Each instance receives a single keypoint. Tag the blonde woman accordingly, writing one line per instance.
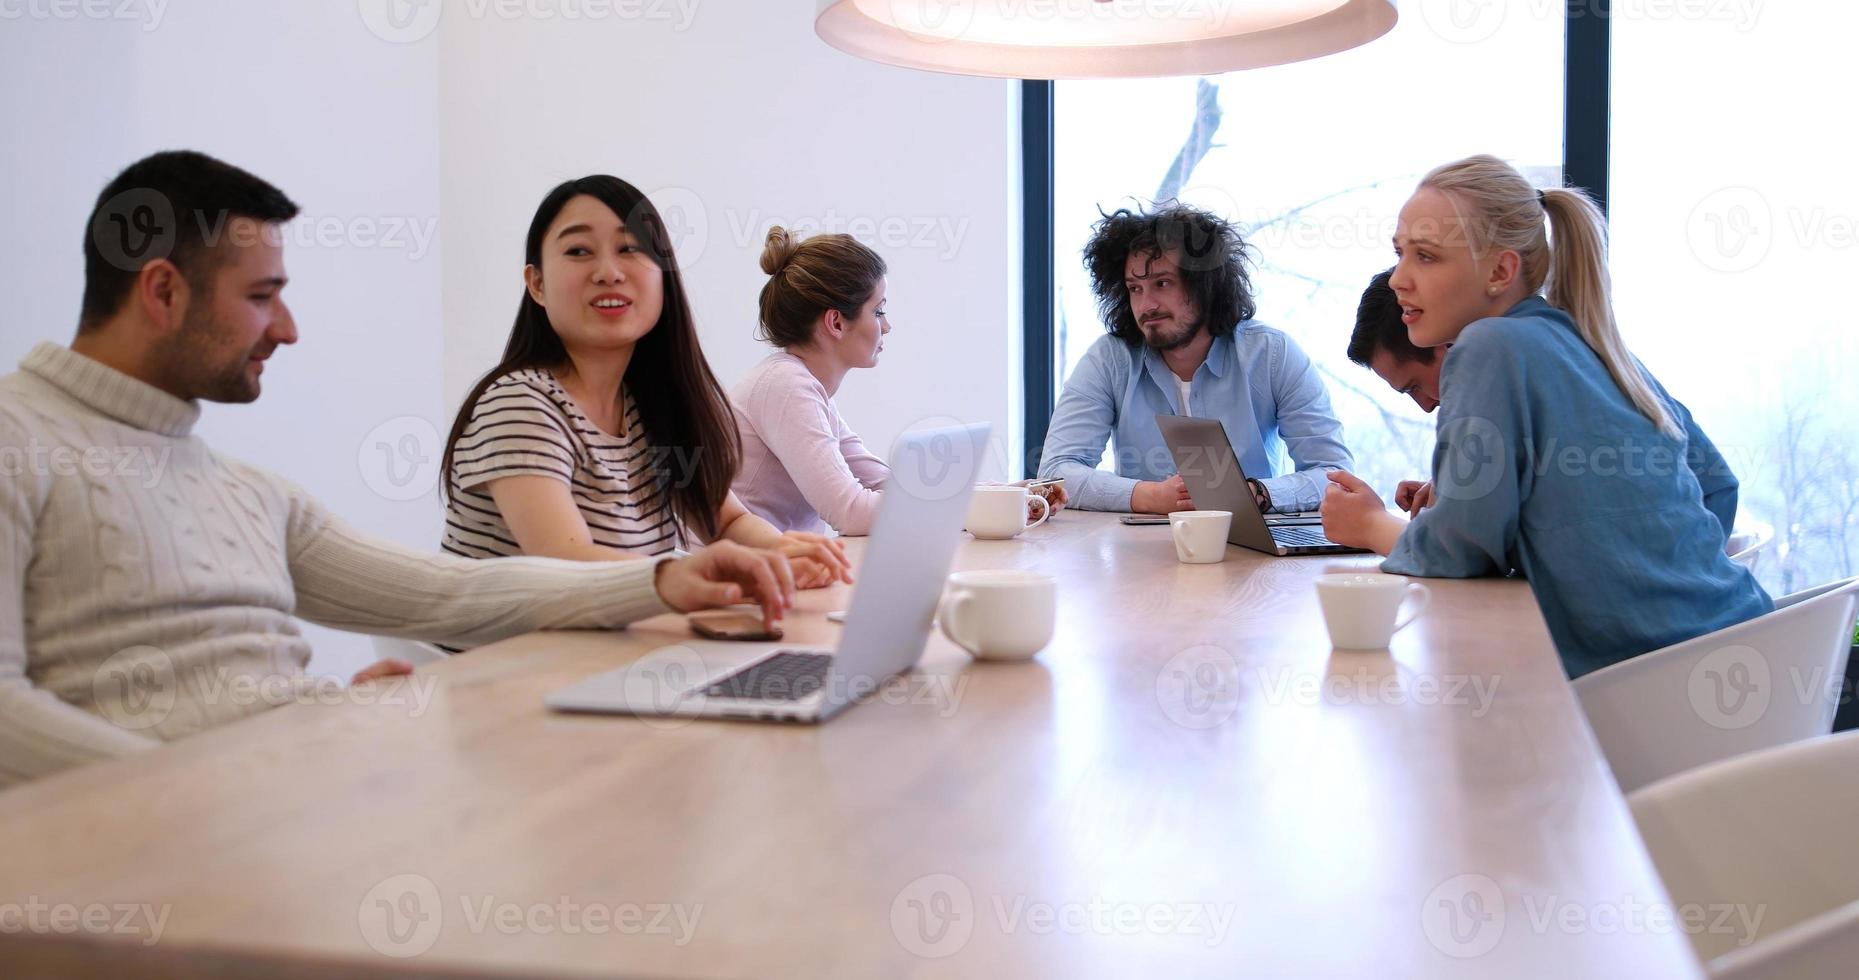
(1559, 456)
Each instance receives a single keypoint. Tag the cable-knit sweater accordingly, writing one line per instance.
(147, 584)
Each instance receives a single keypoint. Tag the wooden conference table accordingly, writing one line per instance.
(1187, 782)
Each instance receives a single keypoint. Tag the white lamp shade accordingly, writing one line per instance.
(1098, 38)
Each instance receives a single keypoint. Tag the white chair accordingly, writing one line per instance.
(1825, 947)
(1847, 719)
(1813, 593)
(1745, 545)
(1764, 682)
(412, 651)
(1765, 834)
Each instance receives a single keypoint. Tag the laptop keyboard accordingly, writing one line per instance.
(787, 676)
(1301, 536)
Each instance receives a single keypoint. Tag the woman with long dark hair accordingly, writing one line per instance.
(602, 434)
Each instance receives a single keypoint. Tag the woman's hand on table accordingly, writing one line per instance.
(818, 561)
(1354, 515)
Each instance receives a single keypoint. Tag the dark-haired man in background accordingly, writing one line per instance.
(147, 583)
(1380, 343)
(1175, 296)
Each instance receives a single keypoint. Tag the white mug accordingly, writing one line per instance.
(1200, 535)
(1359, 609)
(1000, 511)
(1003, 614)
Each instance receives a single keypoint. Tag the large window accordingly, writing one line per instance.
(1313, 160)
(1735, 219)
(1735, 241)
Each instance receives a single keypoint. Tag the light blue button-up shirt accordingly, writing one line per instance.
(1545, 467)
(1257, 382)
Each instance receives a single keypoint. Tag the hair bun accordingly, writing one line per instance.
(778, 249)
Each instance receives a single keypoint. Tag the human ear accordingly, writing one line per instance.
(1504, 272)
(163, 293)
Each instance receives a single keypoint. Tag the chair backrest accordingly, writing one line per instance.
(412, 651)
(1814, 593)
(1823, 948)
(1744, 545)
(1762, 843)
(1763, 682)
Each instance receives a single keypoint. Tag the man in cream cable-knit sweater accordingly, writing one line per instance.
(137, 566)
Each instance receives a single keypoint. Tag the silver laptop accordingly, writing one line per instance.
(1210, 469)
(912, 544)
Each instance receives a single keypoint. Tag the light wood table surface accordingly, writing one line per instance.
(1187, 782)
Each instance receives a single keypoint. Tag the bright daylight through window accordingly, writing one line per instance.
(1728, 248)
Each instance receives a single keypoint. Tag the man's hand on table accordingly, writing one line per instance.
(724, 574)
(1160, 496)
(1053, 493)
(379, 669)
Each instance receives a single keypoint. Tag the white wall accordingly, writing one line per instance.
(732, 117)
(740, 119)
(301, 94)
(57, 153)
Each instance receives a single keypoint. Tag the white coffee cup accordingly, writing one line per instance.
(1002, 614)
(1200, 535)
(1359, 609)
(1000, 511)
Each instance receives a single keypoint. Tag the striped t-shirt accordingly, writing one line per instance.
(525, 424)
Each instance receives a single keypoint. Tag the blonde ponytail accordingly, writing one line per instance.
(1566, 258)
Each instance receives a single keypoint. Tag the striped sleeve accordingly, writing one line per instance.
(514, 430)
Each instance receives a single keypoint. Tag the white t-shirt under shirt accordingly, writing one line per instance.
(525, 424)
(1185, 387)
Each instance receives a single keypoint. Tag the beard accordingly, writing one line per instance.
(198, 361)
(1163, 338)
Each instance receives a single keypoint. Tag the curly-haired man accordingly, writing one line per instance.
(1175, 296)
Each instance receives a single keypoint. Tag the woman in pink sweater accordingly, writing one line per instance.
(802, 468)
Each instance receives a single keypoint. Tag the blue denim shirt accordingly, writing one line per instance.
(1257, 382)
(1543, 466)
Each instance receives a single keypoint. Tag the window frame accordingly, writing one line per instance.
(1587, 61)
